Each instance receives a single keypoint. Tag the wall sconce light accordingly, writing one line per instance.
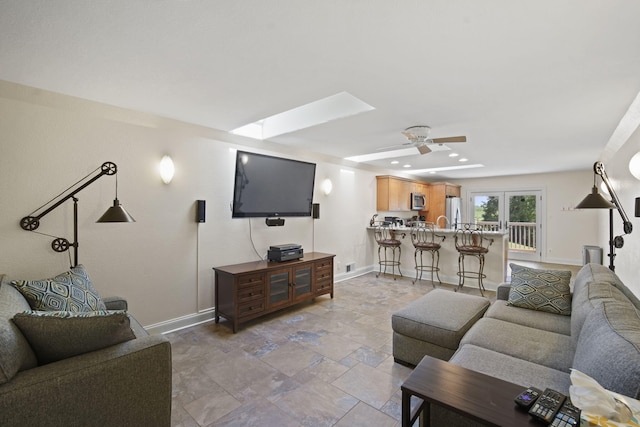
(167, 169)
(634, 165)
(326, 186)
(115, 213)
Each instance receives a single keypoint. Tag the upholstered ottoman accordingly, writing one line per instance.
(434, 324)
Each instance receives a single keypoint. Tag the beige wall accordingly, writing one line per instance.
(567, 229)
(628, 188)
(162, 263)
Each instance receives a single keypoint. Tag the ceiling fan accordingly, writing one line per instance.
(418, 136)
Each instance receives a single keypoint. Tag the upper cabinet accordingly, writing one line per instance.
(394, 194)
(438, 192)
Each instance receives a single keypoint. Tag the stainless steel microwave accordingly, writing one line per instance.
(418, 201)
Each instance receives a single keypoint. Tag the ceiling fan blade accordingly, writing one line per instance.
(449, 139)
(423, 149)
(411, 136)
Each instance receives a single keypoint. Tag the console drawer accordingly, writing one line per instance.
(323, 285)
(250, 294)
(250, 280)
(251, 309)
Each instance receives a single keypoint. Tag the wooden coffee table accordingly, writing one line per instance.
(477, 396)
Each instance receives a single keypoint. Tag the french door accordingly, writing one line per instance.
(516, 212)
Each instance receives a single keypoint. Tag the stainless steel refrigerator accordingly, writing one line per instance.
(453, 211)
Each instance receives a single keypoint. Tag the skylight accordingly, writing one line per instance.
(334, 107)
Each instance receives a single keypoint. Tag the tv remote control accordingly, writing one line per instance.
(567, 416)
(547, 405)
(527, 397)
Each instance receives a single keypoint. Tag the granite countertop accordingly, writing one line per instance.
(443, 230)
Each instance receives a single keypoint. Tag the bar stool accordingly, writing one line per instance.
(387, 240)
(425, 239)
(470, 241)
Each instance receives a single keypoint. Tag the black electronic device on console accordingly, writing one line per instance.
(286, 252)
(547, 405)
(527, 398)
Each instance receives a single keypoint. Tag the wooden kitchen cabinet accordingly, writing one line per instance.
(438, 192)
(253, 289)
(394, 193)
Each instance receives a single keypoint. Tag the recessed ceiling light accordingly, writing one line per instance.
(331, 108)
(463, 159)
(406, 166)
(395, 162)
(454, 155)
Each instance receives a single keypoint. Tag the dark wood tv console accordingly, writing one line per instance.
(253, 289)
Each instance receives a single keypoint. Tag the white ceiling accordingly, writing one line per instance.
(536, 86)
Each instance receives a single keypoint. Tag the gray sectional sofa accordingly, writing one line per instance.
(126, 384)
(600, 338)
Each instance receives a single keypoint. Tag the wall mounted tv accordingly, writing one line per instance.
(267, 186)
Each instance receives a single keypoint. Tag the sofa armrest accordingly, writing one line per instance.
(115, 303)
(128, 384)
(502, 292)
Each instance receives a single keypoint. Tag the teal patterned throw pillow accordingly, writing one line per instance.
(69, 291)
(541, 290)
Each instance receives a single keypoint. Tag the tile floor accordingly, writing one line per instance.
(325, 363)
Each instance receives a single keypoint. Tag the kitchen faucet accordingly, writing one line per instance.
(446, 221)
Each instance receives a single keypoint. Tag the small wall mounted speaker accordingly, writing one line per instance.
(201, 206)
(315, 210)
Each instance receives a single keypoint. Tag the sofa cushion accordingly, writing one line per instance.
(501, 310)
(512, 369)
(56, 335)
(542, 290)
(600, 273)
(15, 353)
(608, 349)
(440, 317)
(586, 297)
(522, 342)
(69, 291)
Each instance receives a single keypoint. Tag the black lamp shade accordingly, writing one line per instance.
(595, 200)
(116, 213)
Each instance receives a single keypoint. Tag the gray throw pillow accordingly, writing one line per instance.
(57, 335)
(69, 291)
(541, 290)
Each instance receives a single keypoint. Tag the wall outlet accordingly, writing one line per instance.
(351, 267)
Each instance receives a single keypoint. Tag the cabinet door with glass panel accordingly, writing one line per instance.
(288, 285)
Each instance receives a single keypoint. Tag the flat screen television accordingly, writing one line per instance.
(268, 186)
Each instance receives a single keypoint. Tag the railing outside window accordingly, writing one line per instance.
(522, 235)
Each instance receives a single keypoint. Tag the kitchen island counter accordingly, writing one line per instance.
(495, 266)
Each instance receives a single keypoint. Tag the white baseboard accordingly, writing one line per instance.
(173, 325)
(208, 315)
(564, 261)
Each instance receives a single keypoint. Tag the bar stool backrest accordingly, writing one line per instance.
(471, 236)
(422, 232)
(384, 234)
